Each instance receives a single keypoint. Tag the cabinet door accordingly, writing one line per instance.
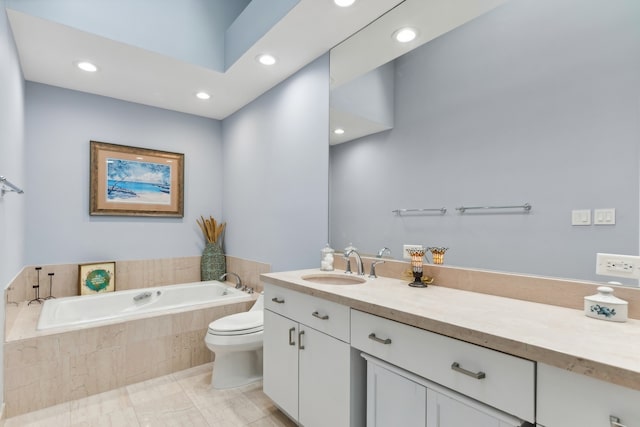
(324, 380)
(447, 411)
(280, 359)
(393, 400)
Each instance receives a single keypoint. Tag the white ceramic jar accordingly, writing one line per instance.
(605, 306)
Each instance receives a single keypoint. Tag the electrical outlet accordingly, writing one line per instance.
(405, 249)
(618, 265)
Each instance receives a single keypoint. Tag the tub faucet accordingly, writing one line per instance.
(383, 251)
(347, 254)
(238, 279)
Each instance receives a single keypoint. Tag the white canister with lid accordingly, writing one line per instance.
(605, 306)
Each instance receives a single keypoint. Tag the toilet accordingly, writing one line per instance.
(236, 341)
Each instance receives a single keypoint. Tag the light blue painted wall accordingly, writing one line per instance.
(275, 172)
(12, 152)
(189, 30)
(59, 125)
(536, 102)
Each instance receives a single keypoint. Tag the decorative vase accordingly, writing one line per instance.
(212, 263)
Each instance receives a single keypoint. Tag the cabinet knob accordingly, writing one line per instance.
(615, 421)
(277, 300)
(477, 375)
(373, 336)
(316, 314)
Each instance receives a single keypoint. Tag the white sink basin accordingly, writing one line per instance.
(334, 279)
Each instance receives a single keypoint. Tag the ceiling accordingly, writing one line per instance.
(48, 51)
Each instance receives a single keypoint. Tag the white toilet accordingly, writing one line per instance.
(236, 341)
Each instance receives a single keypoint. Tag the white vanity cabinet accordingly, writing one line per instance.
(396, 397)
(568, 399)
(498, 380)
(308, 370)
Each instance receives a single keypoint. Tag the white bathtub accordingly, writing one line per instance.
(80, 310)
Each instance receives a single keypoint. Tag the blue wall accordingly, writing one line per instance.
(12, 152)
(276, 157)
(59, 125)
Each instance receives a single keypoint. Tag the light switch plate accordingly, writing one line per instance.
(581, 217)
(405, 248)
(604, 216)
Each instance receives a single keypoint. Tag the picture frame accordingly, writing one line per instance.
(97, 277)
(134, 181)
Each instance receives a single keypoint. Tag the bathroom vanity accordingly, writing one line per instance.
(380, 350)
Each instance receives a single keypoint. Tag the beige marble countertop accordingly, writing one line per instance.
(557, 336)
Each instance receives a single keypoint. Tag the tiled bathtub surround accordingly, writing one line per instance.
(58, 367)
(129, 275)
(48, 368)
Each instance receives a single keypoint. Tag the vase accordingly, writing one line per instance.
(212, 263)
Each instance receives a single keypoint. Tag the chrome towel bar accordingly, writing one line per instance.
(402, 211)
(526, 207)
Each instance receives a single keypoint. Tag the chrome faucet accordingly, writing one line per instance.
(383, 251)
(372, 272)
(347, 254)
(238, 279)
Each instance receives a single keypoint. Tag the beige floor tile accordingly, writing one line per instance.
(58, 416)
(276, 419)
(111, 404)
(120, 418)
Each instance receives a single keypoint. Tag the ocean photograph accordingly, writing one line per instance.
(131, 181)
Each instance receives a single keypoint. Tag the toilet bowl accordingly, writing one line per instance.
(236, 341)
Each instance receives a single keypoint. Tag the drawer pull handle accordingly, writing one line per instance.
(316, 314)
(300, 334)
(373, 336)
(615, 421)
(477, 375)
(277, 301)
(291, 341)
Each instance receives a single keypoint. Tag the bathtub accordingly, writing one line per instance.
(87, 309)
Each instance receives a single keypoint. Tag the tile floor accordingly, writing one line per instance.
(183, 398)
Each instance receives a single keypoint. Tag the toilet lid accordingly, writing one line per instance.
(239, 323)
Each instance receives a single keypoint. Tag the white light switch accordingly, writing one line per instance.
(581, 217)
(604, 216)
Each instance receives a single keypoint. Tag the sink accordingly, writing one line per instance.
(333, 279)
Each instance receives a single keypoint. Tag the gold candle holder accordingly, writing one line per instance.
(437, 254)
(417, 255)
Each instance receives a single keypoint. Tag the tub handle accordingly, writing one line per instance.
(291, 341)
(300, 334)
(316, 314)
(277, 300)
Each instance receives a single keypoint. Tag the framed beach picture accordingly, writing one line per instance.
(97, 277)
(135, 181)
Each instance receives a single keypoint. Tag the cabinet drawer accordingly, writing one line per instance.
(565, 398)
(322, 315)
(508, 383)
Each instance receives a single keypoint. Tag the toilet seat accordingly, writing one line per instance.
(238, 324)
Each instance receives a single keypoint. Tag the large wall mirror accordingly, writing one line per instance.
(495, 103)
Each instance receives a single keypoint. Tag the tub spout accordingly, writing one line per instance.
(238, 279)
(142, 296)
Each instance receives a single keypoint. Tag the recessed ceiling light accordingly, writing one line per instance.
(405, 35)
(203, 95)
(344, 3)
(266, 59)
(87, 66)
(338, 131)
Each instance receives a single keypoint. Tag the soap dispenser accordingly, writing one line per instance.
(326, 258)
